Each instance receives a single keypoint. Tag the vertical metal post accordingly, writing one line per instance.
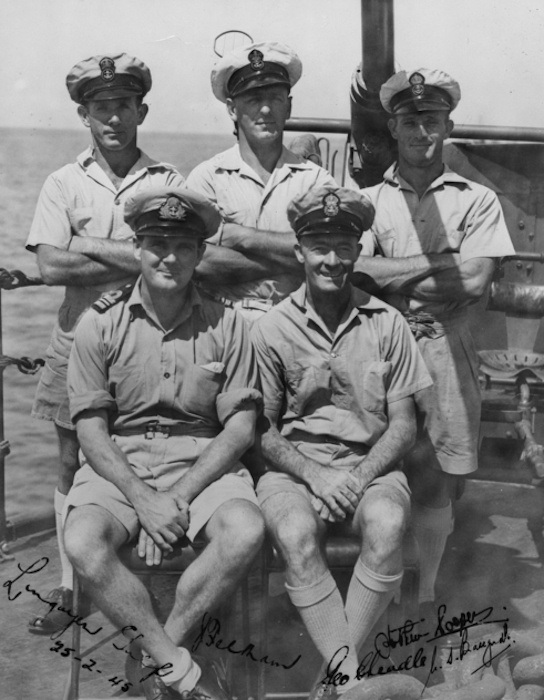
(3, 526)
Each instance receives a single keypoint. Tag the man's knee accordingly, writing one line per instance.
(297, 532)
(240, 524)
(382, 518)
(89, 539)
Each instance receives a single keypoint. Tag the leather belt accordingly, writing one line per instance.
(155, 429)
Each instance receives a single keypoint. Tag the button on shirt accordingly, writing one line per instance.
(454, 215)
(243, 198)
(338, 386)
(199, 373)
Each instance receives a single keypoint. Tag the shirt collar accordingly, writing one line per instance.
(448, 175)
(362, 301)
(232, 160)
(193, 300)
(86, 159)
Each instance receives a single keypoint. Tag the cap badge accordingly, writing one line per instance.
(172, 210)
(331, 204)
(417, 81)
(256, 59)
(107, 66)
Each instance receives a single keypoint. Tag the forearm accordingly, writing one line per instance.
(109, 252)
(280, 454)
(277, 247)
(64, 267)
(468, 282)
(387, 452)
(106, 457)
(394, 274)
(222, 265)
(220, 455)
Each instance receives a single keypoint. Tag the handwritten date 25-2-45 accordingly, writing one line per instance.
(90, 665)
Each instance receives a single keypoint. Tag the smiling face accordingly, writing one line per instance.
(261, 113)
(420, 137)
(113, 123)
(328, 260)
(167, 262)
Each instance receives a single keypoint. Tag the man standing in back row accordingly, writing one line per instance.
(437, 234)
(253, 264)
(83, 243)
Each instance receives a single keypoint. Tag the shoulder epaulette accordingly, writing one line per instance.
(109, 299)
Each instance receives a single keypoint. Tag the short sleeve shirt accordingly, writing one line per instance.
(80, 200)
(199, 373)
(454, 215)
(243, 198)
(336, 386)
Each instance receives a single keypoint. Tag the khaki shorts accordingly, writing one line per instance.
(335, 456)
(90, 488)
(449, 411)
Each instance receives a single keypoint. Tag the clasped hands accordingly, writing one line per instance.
(164, 517)
(336, 492)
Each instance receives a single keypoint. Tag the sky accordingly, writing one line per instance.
(494, 48)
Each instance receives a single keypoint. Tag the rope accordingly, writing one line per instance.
(26, 365)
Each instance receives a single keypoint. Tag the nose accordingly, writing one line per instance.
(331, 259)
(423, 130)
(114, 118)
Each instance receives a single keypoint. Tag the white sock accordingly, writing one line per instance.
(369, 594)
(67, 579)
(431, 528)
(321, 608)
(184, 674)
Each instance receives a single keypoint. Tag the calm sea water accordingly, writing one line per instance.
(26, 158)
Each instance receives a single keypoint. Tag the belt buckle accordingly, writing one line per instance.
(154, 428)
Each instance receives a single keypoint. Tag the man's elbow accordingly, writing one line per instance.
(476, 287)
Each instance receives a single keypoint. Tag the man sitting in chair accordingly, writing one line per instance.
(162, 391)
(338, 369)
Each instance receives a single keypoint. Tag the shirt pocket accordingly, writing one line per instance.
(369, 383)
(449, 240)
(200, 388)
(308, 388)
(81, 221)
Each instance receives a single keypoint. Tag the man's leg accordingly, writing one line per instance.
(433, 493)
(68, 466)
(298, 533)
(234, 535)
(381, 518)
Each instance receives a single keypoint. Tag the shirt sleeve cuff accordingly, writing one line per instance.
(91, 401)
(231, 402)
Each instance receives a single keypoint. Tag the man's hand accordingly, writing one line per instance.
(337, 490)
(164, 518)
(14, 279)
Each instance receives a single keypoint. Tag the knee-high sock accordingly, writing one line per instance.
(66, 566)
(369, 594)
(322, 610)
(185, 672)
(431, 528)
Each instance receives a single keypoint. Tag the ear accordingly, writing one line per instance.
(143, 109)
(359, 249)
(290, 99)
(449, 128)
(83, 115)
(137, 248)
(200, 252)
(298, 252)
(231, 109)
(392, 124)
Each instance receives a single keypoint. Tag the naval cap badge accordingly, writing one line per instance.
(255, 58)
(172, 209)
(331, 204)
(107, 66)
(417, 81)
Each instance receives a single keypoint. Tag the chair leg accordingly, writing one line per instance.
(263, 627)
(71, 690)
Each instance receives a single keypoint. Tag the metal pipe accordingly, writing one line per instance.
(3, 529)
(22, 526)
(460, 131)
(377, 34)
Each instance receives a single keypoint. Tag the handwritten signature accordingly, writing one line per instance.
(421, 640)
(209, 635)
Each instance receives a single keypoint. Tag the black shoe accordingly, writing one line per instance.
(323, 691)
(57, 620)
(211, 686)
